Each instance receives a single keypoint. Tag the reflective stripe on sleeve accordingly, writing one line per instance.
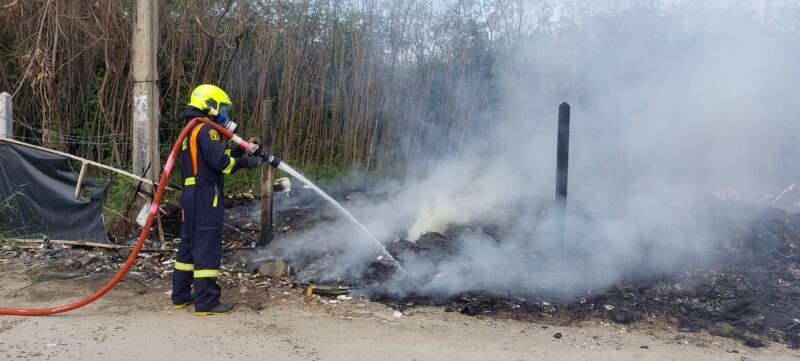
(229, 168)
(206, 273)
(180, 266)
(189, 181)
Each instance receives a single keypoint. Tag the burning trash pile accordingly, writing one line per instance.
(751, 291)
(747, 289)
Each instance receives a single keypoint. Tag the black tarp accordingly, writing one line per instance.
(37, 197)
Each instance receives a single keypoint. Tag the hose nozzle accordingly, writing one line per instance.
(274, 161)
(254, 149)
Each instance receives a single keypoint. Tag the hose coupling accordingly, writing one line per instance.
(249, 147)
(274, 161)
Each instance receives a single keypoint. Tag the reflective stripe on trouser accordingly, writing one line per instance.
(206, 273)
(183, 266)
(201, 245)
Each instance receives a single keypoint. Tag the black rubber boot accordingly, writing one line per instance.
(219, 309)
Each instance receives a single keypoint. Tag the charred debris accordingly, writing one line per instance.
(752, 293)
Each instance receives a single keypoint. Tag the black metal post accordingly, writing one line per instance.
(562, 167)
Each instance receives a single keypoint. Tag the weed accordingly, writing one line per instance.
(8, 212)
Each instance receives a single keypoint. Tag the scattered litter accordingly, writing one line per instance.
(87, 259)
(386, 317)
(358, 314)
(326, 290)
(309, 291)
(273, 269)
(9, 253)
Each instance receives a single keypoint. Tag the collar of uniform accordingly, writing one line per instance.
(191, 112)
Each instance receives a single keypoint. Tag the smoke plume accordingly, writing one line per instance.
(669, 105)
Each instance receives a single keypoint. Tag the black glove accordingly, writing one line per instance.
(251, 161)
(237, 151)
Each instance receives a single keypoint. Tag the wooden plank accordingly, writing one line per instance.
(71, 243)
(80, 179)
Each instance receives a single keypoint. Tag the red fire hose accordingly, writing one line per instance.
(173, 154)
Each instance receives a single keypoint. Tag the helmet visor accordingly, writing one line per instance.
(224, 114)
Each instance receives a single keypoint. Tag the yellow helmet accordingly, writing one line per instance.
(209, 99)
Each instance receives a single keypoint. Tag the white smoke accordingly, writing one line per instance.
(668, 106)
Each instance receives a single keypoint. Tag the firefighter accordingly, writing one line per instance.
(204, 162)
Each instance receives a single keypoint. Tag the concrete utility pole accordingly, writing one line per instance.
(6, 117)
(145, 90)
(266, 177)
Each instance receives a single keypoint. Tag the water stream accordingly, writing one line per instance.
(384, 253)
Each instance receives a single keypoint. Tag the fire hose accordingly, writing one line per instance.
(250, 148)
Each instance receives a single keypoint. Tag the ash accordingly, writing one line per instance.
(750, 290)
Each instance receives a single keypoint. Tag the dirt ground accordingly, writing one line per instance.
(136, 322)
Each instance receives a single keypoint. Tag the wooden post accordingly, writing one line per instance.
(562, 167)
(81, 175)
(145, 90)
(266, 176)
(6, 116)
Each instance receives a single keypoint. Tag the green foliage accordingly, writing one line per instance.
(244, 180)
(379, 84)
(7, 213)
(326, 171)
(250, 179)
(120, 193)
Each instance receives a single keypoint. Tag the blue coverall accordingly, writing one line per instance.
(204, 162)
